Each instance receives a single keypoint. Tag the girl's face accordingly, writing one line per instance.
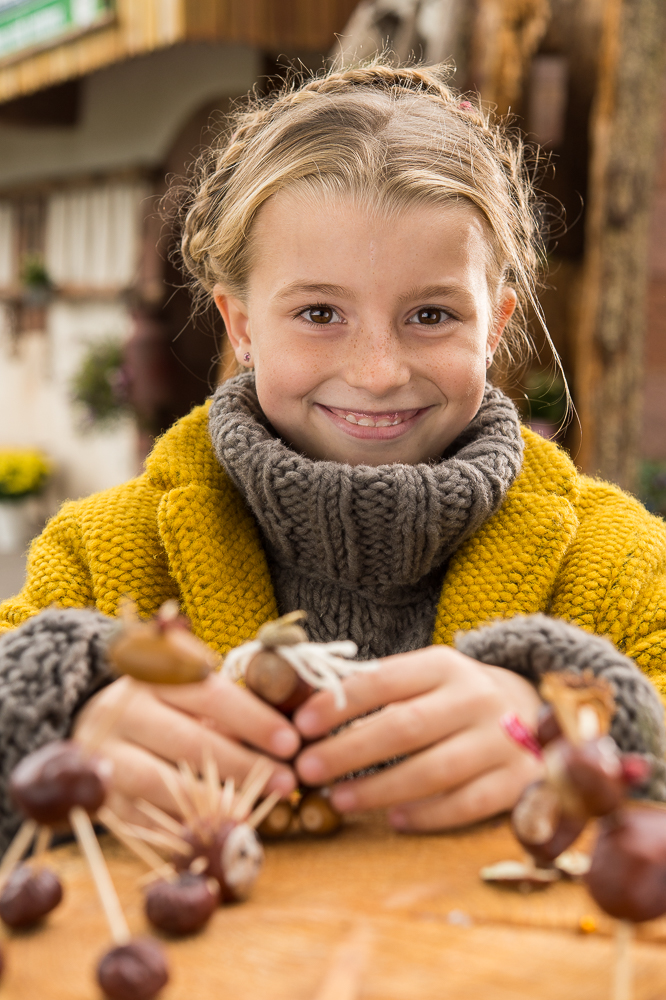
(368, 332)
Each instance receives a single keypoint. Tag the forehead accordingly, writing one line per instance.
(339, 238)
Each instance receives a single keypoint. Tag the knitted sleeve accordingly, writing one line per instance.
(535, 644)
(48, 668)
(57, 572)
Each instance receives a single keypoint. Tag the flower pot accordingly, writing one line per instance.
(14, 525)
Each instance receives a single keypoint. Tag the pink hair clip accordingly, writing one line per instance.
(466, 106)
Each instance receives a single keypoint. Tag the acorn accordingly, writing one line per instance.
(234, 857)
(182, 906)
(133, 971)
(279, 820)
(48, 783)
(540, 825)
(588, 776)
(627, 877)
(29, 895)
(316, 813)
(275, 681)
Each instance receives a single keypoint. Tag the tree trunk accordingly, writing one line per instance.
(624, 130)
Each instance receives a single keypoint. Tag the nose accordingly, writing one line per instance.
(376, 363)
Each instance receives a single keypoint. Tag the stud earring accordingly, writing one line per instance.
(246, 358)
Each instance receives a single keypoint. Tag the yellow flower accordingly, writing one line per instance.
(22, 471)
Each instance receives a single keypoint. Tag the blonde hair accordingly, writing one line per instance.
(390, 136)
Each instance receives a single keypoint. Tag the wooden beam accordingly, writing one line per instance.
(610, 329)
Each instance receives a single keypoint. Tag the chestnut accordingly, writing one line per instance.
(540, 825)
(29, 895)
(49, 782)
(133, 971)
(589, 775)
(183, 906)
(234, 855)
(279, 820)
(274, 680)
(316, 813)
(627, 877)
(547, 728)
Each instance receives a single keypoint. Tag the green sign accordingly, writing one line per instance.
(28, 23)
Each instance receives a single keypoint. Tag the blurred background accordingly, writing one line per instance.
(102, 103)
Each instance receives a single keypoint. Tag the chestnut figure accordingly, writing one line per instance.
(279, 820)
(183, 906)
(235, 858)
(29, 895)
(133, 971)
(48, 783)
(540, 825)
(627, 877)
(317, 814)
(275, 681)
(589, 775)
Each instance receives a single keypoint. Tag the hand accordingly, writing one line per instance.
(159, 725)
(443, 710)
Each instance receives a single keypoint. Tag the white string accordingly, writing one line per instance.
(319, 664)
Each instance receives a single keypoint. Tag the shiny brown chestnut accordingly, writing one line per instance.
(234, 855)
(48, 783)
(589, 775)
(627, 877)
(133, 971)
(317, 815)
(29, 895)
(275, 681)
(184, 905)
(279, 820)
(540, 825)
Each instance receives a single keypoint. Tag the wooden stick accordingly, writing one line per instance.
(106, 891)
(212, 779)
(158, 816)
(180, 798)
(227, 800)
(160, 838)
(263, 809)
(16, 850)
(622, 979)
(193, 790)
(252, 791)
(122, 833)
(43, 843)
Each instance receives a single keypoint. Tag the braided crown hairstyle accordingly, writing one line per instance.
(388, 136)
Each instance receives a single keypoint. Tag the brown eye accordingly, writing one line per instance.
(429, 316)
(320, 314)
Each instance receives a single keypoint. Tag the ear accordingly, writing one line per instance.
(505, 309)
(234, 313)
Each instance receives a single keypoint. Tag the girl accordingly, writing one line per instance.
(370, 242)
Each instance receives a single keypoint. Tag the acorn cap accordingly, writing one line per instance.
(284, 631)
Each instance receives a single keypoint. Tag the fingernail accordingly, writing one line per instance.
(283, 783)
(311, 768)
(398, 819)
(285, 743)
(343, 798)
(307, 721)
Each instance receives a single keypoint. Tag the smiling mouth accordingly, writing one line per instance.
(363, 418)
(369, 425)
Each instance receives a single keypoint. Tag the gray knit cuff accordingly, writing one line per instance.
(531, 646)
(49, 667)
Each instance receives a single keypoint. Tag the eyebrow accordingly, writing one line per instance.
(314, 288)
(425, 292)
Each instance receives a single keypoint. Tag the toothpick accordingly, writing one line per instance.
(122, 833)
(254, 771)
(263, 809)
(212, 779)
(106, 891)
(227, 800)
(193, 790)
(253, 789)
(173, 785)
(622, 979)
(159, 816)
(43, 843)
(166, 873)
(16, 850)
(160, 838)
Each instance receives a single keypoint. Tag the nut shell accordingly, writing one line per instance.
(627, 877)
(183, 906)
(235, 858)
(540, 825)
(46, 784)
(275, 681)
(134, 971)
(29, 895)
(279, 820)
(594, 770)
(317, 814)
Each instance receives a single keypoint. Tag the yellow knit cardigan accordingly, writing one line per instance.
(561, 543)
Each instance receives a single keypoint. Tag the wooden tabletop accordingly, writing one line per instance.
(365, 915)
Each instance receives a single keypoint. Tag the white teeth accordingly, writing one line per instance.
(383, 423)
(351, 418)
(372, 421)
(366, 422)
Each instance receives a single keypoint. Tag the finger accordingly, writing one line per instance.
(236, 711)
(406, 675)
(399, 729)
(490, 793)
(174, 736)
(137, 774)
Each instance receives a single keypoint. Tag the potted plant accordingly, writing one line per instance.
(23, 473)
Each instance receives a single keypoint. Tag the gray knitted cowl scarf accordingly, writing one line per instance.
(364, 549)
